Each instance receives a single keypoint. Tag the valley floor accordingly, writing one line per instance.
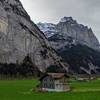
(22, 90)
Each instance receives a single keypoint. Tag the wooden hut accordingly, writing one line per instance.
(57, 82)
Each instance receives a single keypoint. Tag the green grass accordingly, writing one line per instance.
(21, 90)
(85, 86)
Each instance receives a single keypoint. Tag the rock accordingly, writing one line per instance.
(76, 44)
(67, 28)
(20, 37)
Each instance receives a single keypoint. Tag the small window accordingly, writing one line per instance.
(56, 85)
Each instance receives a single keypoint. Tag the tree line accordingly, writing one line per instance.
(24, 70)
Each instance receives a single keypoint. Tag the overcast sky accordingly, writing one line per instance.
(86, 12)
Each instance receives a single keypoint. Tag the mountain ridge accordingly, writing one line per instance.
(75, 43)
(68, 27)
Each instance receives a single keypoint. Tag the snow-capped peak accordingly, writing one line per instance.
(70, 27)
(47, 28)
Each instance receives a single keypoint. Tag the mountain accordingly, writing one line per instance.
(20, 38)
(67, 28)
(75, 43)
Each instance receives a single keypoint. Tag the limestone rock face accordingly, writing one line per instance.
(67, 28)
(20, 37)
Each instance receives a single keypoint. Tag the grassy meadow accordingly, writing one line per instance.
(22, 90)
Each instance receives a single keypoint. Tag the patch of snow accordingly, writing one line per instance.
(47, 28)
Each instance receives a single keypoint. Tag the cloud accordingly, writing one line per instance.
(86, 12)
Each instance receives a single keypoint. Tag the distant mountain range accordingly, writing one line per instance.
(75, 43)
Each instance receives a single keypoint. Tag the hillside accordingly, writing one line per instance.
(75, 43)
(19, 38)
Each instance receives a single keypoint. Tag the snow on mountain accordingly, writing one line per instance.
(47, 28)
(75, 43)
(68, 27)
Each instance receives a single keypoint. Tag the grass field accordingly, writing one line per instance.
(21, 90)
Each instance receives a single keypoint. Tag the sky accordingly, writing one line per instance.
(86, 12)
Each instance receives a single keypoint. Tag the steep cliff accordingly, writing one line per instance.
(20, 37)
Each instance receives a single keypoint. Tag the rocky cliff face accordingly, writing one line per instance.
(75, 43)
(20, 37)
(69, 29)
